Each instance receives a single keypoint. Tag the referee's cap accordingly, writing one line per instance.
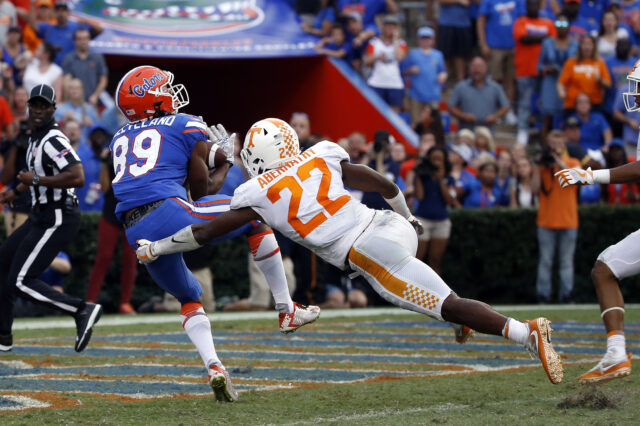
(45, 92)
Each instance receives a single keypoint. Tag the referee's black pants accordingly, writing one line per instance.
(27, 253)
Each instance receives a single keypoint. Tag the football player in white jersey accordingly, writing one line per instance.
(303, 196)
(616, 262)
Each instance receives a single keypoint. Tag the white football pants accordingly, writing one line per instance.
(385, 255)
(623, 258)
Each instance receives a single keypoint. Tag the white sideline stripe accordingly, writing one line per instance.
(32, 257)
(23, 403)
(118, 320)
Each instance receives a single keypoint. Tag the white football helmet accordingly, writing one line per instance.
(629, 97)
(269, 144)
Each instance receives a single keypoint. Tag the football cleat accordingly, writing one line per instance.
(220, 383)
(607, 369)
(539, 345)
(300, 316)
(463, 333)
(6, 342)
(85, 319)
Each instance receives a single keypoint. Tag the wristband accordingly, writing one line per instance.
(399, 205)
(602, 176)
(212, 156)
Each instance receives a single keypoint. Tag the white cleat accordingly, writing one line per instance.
(220, 383)
(300, 316)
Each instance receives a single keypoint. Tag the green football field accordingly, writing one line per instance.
(373, 366)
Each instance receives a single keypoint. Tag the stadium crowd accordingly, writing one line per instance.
(502, 93)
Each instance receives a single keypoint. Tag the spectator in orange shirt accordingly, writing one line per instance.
(44, 13)
(585, 73)
(557, 218)
(528, 32)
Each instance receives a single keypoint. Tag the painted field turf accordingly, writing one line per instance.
(132, 368)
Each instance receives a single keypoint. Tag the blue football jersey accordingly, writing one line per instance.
(151, 158)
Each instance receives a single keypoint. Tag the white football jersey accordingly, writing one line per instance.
(307, 202)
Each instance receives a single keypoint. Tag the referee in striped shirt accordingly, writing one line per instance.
(54, 170)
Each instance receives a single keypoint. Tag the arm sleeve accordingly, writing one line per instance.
(60, 153)
(484, 8)
(194, 130)
(240, 197)
(518, 30)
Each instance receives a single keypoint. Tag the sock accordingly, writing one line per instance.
(198, 328)
(616, 344)
(266, 253)
(516, 331)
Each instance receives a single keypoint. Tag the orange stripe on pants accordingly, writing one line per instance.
(388, 281)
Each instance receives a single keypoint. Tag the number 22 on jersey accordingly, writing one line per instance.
(290, 183)
(145, 148)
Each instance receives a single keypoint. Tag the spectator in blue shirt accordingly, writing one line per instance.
(61, 33)
(594, 129)
(495, 38)
(630, 124)
(358, 37)
(368, 9)
(323, 21)
(455, 39)
(334, 46)
(554, 53)
(91, 196)
(427, 72)
(484, 194)
(578, 25)
(620, 65)
(478, 100)
(433, 189)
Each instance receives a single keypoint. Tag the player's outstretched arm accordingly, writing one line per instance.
(195, 236)
(628, 173)
(364, 178)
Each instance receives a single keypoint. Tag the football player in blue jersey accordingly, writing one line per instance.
(155, 156)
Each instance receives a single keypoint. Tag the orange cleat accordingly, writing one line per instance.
(539, 345)
(607, 369)
(463, 333)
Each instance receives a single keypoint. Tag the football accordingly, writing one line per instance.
(220, 157)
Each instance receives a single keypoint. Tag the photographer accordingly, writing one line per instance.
(14, 152)
(557, 217)
(433, 189)
(378, 157)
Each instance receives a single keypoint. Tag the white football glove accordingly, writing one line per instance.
(417, 225)
(144, 253)
(226, 142)
(574, 176)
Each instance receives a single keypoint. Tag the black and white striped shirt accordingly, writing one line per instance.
(49, 153)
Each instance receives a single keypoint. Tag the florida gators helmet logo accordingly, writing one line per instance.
(148, 91)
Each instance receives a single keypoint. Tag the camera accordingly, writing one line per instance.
(22, 138)
(425, 168)
(381, 140)
(545, 157)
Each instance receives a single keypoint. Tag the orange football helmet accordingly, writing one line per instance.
(146, 91)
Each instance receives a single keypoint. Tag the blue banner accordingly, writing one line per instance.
(196, 28)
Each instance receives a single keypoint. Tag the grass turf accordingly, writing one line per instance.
(517, 396)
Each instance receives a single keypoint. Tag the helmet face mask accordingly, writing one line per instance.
(147, 91)
(269, 144)
(629, 97)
